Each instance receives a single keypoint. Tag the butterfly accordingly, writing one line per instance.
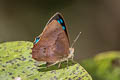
(53, 45)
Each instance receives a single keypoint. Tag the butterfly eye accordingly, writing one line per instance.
(36, 40)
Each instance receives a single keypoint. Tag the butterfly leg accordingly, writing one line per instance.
(67, 62)
(72, 58)
(59, 64)
(48, 64)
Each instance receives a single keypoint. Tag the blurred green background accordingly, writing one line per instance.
(98, 20)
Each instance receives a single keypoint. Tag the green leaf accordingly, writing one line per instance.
(104, 66)
(16, 62)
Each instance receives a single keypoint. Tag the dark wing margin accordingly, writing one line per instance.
(58, 16)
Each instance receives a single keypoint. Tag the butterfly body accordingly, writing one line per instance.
(53, 46)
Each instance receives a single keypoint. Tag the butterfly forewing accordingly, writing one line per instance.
(58, 16)
(53, 43)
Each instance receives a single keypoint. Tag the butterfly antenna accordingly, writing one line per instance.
(76, 39)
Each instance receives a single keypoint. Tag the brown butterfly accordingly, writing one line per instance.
(52, 45)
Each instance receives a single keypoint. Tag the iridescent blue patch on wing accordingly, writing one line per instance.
(63, 27)
(36, 40)
(61, 20)
(58, 21)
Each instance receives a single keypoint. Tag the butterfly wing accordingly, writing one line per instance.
(53, 44)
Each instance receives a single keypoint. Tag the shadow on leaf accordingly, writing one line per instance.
(43, 68)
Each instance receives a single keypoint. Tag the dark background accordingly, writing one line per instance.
(98, 20)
